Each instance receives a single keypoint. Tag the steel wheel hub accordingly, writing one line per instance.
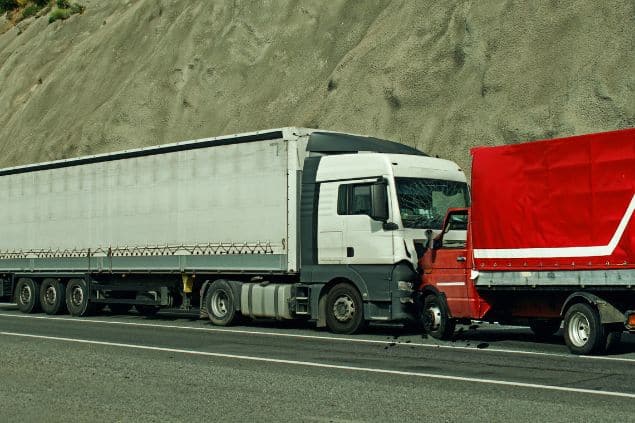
(77, 296)
(50, 295)
(344, 308)
(25, 294)
(579, 330)
(219, 303)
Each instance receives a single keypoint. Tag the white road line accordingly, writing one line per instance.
(321, 337)
(327, 366)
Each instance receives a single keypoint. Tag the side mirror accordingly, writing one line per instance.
(379, 201)
(429, 234)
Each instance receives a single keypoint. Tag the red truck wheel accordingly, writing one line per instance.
(436, 318)
(583, 330)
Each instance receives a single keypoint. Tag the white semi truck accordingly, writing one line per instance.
(285, 223)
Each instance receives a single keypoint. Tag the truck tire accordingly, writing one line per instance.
(544, 328)
(220, 303)
(77, 298)
(53, 296)
(436, 318)
(27, 295)
(583, 332)
(344, 309)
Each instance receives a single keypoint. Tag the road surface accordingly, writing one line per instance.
(179, 368)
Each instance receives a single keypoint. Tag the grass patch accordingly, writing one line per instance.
(65, 9)
(30, 11)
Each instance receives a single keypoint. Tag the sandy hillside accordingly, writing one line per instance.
(442, 78)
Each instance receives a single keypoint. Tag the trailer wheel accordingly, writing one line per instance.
(583, 331)
(27, 295)
(53, 296)
(77, 298)
(220, 303)
(436, 318)
(344, 309)
(544, 328)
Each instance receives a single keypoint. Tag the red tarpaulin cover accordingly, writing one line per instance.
(565, 203)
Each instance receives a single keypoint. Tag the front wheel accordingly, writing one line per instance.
(583, 330)
(344, 309)
(436, 318)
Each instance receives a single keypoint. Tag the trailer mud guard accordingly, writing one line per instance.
(608, 313)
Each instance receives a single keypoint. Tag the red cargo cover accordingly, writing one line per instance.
(557, 204)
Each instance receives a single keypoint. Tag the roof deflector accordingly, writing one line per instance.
(336, 143)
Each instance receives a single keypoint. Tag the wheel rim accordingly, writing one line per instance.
(434, 317)
(77, 296)
(50, 295)
(344, 308)
(25, 294)
(220, 301)
(579, 329)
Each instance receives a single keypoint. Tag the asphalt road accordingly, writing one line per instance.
(176, 368)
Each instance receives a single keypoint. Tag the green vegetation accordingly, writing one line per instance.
(65, 9)
(30, 11)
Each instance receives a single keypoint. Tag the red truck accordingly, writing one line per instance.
(549, 239)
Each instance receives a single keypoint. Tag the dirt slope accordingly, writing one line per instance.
(442, 78)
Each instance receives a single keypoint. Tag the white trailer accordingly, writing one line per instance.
(283, 223)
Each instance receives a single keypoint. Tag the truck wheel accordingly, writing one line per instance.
(344, 309)
(27, 295)
(53, 296)
(583, 332)
(544, 328)
(77, 298)
(220, 303)
(147, 310)
(436, 318)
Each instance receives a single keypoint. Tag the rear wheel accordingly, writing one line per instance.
(436, 318)
(220, 303)
(27, 295)
(344, 309)
(544, 328)
(583, 330)
(77, 298)
(53, 296)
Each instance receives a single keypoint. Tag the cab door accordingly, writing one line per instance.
(447, 266)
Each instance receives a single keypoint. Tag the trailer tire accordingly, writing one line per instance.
(436, 318)
(344, 310)
(53, 296)
(544, 328)
(78, 298)
(220, 303)
(27, 295)
(584, 333)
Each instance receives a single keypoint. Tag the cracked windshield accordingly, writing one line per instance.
(424, 202)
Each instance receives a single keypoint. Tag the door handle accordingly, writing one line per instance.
(350, 251)
(461, 258)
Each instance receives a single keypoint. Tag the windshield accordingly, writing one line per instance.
(424, 202)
